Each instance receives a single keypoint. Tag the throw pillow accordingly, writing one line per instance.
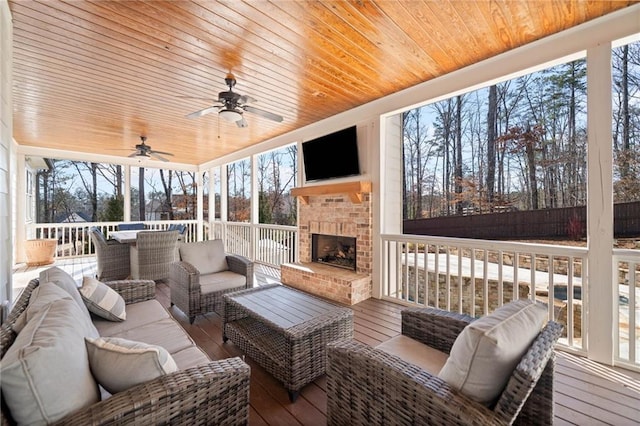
(487, 351)
(207, 257)
(102, 300)
(118, 364)
(66, 282)
(43, 295)
(45, 373)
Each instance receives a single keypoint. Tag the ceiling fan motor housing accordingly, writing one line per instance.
(229, 99)
(233, 105)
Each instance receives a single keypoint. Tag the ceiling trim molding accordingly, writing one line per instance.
(96, 158)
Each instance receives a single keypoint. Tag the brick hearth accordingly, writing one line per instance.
(333, 213)
(339, 285)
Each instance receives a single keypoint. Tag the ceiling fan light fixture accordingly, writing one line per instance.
(230, 115)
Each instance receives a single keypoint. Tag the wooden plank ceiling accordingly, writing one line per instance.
(92, 76)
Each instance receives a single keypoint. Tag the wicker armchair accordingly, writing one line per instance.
(153, 253)
(369, 386)
(111, 256)
(196, 293)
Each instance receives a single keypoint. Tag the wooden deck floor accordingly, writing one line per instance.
(587, 393)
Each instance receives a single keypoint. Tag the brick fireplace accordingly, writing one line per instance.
(342, 210)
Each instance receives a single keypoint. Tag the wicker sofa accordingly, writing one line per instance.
(371, 386)
(201, 391)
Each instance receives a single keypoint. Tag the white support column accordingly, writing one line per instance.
(255, 206)
(255, 202)
(600, 303)
(300, 180)
(200, 206)
(21, 224)
(212, 197)
(127, 193)
(224, 201)
(388, 202)
(224, 193)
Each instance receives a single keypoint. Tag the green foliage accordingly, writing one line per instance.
(114, 210)
(264, 209)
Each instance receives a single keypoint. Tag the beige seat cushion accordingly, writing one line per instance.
(138, 314)
(190, 357)
(208, 257)
(221, 281)
(416, 353)
(119, 364)
(45, 373)
(166, 333)
(487, 351)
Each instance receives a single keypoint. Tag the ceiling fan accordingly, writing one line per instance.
(143, 150)
(231, 105)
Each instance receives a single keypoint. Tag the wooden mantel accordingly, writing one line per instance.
(353, 189)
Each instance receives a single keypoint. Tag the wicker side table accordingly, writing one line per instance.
(286, 331)
(40, 251)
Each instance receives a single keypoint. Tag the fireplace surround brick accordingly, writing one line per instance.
(334, 214)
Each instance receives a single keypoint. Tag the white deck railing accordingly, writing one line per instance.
(477, 276)
(269, 244)
(74, 241)
(627, 263)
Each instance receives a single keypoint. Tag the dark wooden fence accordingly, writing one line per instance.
(568, 222)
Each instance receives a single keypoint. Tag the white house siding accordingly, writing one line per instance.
(7, 152)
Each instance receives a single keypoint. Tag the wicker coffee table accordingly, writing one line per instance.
(286, 331)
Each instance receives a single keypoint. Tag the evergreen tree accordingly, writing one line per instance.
(114, 209)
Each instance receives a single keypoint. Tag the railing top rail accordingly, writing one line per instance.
(247, 224)
(281, 227)
(112, 223)
(628, 255)
(258, 225)
(547, 249)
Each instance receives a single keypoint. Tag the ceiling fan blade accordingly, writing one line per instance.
(242, 123)
(202, 112)
(262, 113)
(155, 155)
(160, 152)
(244, 99)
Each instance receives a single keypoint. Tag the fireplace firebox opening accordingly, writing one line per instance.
(334, 250)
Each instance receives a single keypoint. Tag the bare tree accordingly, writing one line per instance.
(141, 194)
(238, 181)
(90, 185)
(444, 133)
(168, 189)
(492, 133)
(458, 154)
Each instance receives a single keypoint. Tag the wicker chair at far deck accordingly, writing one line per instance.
(204, 274)
(375, 386)
(152, 254)
(112, 257)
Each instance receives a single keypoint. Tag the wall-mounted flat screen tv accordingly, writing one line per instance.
(331, 156)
